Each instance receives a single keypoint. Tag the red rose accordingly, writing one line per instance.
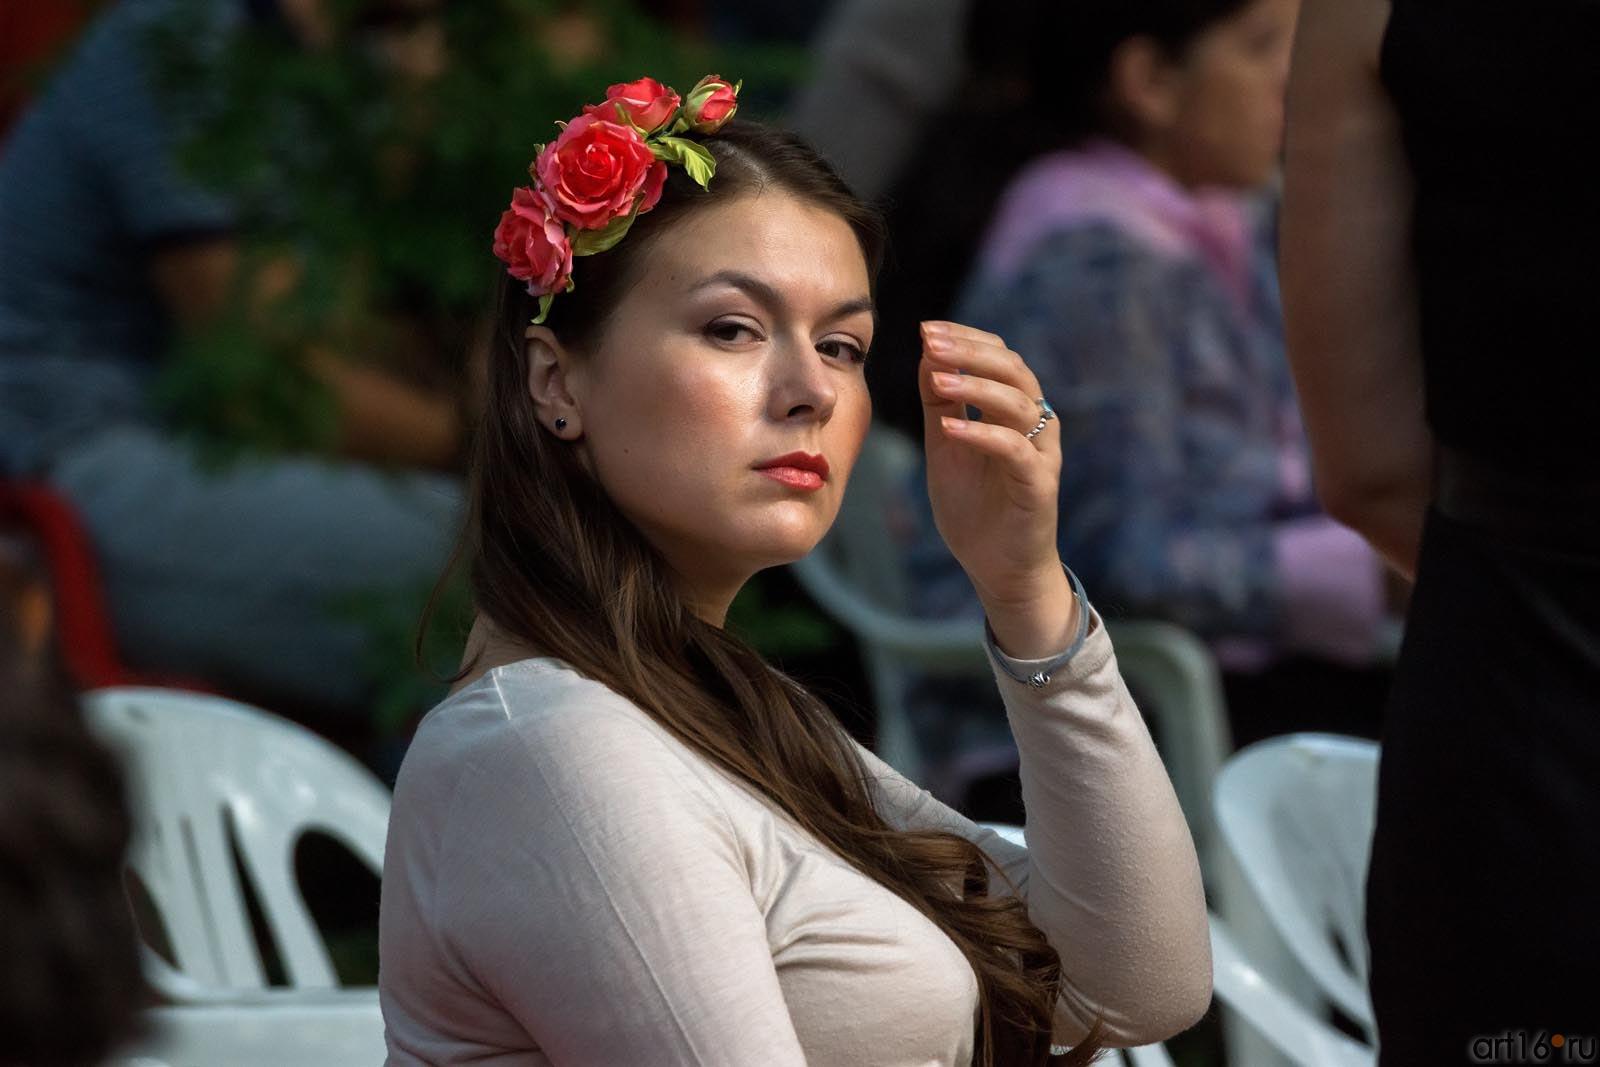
(648, 103)
(595, 171)
(533, 243)
(711, 102)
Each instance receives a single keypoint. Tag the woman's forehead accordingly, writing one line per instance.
(786, 242)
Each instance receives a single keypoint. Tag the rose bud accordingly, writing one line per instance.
(710, 103)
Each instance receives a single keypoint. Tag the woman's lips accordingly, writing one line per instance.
(798, 470)
(793, 477)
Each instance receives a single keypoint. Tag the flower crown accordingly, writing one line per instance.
(605, 169)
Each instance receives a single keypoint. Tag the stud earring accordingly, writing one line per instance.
(561, 424)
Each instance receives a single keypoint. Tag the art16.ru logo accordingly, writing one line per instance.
(1537, 1046)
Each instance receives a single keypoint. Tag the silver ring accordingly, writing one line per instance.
(1046, 413)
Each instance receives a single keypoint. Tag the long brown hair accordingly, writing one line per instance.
(557, 567)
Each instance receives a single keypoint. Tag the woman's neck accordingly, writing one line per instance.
(488, 647)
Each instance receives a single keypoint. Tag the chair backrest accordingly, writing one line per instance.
(208, 777)
(1297, 812)
(858, 575)
(868, 541)
(1175, 677)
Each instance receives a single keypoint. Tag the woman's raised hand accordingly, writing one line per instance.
(994, 490)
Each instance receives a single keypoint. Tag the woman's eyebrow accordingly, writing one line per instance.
(772, 299)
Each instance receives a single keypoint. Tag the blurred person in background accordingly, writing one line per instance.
(109, 252)
(1132, 253)
(1439, 241)
(69, 964)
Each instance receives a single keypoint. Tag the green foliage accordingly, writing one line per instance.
(777, 629)
(389, 616)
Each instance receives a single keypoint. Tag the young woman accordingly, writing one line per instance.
(625, 838)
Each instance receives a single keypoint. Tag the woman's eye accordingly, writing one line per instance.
(834, 348)
(730, 332)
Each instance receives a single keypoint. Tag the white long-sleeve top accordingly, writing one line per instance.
(567, 883)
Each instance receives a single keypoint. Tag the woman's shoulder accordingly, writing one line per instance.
(540, 718)
(539, 701)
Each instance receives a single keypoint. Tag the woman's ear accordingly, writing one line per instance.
(551, 381)
(1144, 84)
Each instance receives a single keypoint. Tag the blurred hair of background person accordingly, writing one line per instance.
(110, 252)
(883, 70)
(1439, 239)
(69, 965)
(1130, 258)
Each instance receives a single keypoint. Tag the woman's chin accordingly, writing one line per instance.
(782, 556)
(783, 535)
(781, 550)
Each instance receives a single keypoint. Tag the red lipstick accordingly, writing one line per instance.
(798, 470)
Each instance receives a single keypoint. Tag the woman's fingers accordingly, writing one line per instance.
(1015, 452)
(961, 331)
(957, 347)
(1001, 404)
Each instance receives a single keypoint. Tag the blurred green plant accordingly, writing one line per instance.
(366, 206)
(409, 678)
(778, 630)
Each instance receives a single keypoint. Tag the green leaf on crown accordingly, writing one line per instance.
(588, 242)
(692, 156)
(668, 149)
(544, 307)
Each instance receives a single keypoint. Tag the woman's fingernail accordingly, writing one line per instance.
(954, 425)
(935, 328)
(946, 381)
(939, 343)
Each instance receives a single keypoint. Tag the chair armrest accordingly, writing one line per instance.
(927, 642)
(1292, 1030)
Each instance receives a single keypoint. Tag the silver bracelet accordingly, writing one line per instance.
(1039, 677)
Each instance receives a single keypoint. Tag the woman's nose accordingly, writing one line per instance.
(802, 385)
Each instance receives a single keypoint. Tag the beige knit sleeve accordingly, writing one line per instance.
(1109, 873)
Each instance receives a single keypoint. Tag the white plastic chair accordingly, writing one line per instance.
(201, 770)
(1271, 1014)
(1297, 812)
(857, 575)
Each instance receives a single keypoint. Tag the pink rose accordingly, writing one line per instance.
(595, 171)
(648, 103)
(711, 103)
(533, 243)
